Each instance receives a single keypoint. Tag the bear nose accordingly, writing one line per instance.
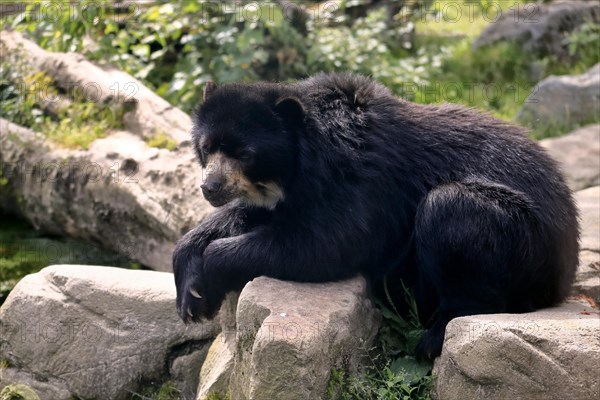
(211, 187)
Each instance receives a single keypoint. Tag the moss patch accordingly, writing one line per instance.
(18, 392)
(31, 99)
(162, 141)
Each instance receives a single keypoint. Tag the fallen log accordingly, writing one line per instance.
(149, 113)
(119, 194)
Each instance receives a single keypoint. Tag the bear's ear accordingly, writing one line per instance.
(291, 109)
(209, 88)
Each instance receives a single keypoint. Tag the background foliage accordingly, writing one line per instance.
(422, 53)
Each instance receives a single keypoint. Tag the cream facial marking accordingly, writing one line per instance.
(226, 174)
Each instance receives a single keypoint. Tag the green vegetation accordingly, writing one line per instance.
(24, 250)
(18, 392)
(80, 124)
(493, 78)
(176, 47)
(217, 396)
(31, 99)
(167, 391)
(403, 379)
(556, 129)
(162, 141)
(15, 260)
(583, 50)
(392, 373)
(496, 78)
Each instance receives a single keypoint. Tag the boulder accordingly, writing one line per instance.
(119, 194)
(98, 332)
(290, 335)
(548, 354)
(541, 28)
(588, 276)
(563, 101)
(578, 154)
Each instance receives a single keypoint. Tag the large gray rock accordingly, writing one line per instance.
(588, 275)
(548, 354)
(98, 332)
(578, 154)
(563, 101)
(290, 335)
(541, 28)
(120, 194)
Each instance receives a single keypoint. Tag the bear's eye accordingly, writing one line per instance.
(203, 152)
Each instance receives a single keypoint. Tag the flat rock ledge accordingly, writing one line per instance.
(548, 354)
(98, 332)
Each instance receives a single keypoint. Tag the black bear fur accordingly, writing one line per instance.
(465, 209)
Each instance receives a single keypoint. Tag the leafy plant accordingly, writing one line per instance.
(582, 45)
(393, 372)
(60, 25)
(175, 48)
(366, 47)
(31, 99)
(402, 379)
(217, 396)
(167, 391)
(16, 106)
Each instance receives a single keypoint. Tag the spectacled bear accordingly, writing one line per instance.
(333, 176)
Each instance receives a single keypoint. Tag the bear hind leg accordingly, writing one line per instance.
(472, 242)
